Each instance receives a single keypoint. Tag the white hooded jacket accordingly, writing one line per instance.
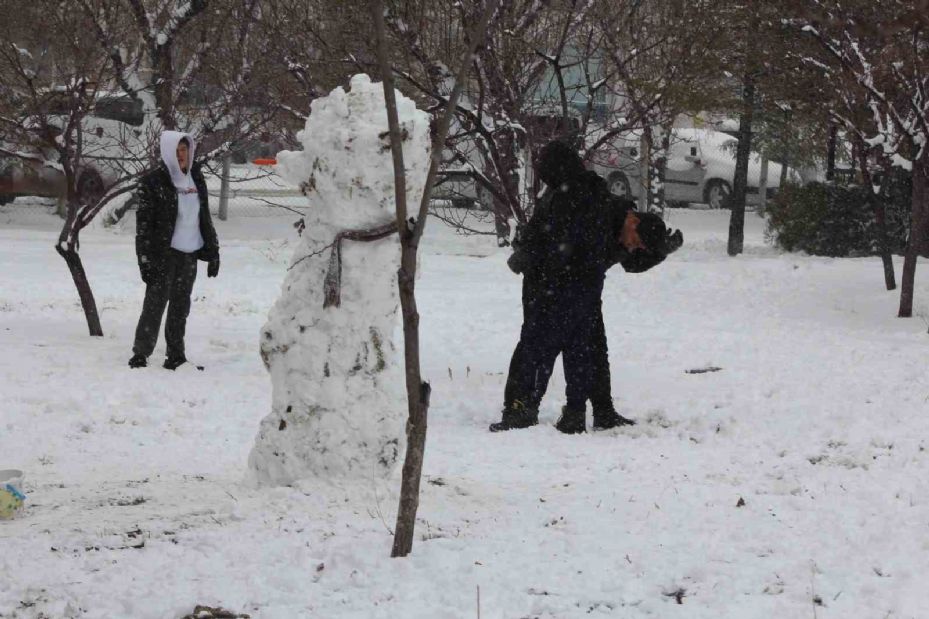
(187, 237)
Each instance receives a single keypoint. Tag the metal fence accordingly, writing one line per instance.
(236, 190)
(248, 190)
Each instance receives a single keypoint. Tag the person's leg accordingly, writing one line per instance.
(517, 378)
(530, 368)
(153, 308)
(521, 377)
(182, 284)
(601, 397)
(578, 367)
(518, 382)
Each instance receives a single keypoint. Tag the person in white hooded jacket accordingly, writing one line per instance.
(173, 231)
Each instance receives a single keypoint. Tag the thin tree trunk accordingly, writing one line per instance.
(830, 152)
(509, 182)
(411, 231)
(164, 86)
(657, 166)
(740, 181)
(645, 146)
(877, 205)
(417, 414)
(67, 248)
(786, 143)
(917, 238)
(763, 187)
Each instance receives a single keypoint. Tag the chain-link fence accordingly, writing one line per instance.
(249, 190)
(236, 190)
(27, 210)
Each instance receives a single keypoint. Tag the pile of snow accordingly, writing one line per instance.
(338, 399)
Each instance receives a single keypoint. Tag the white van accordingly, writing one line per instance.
(700, 168)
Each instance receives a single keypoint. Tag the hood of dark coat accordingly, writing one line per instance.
(558, 164)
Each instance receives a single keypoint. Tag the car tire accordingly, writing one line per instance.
(89, 188)
(716, 193)
(618, 185)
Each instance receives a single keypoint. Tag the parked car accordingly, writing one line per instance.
(20, 176)
(700, 168)
(115, 137)
(458, 187)
(455, 181)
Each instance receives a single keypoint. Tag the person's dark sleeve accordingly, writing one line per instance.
(527, 247)
(145, 229)
(617, 210)
(210, 250)
(641, 260)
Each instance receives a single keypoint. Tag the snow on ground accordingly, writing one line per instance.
(817, 421)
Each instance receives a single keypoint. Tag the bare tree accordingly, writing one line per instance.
(45, 99)
(411, 231)
(52, 102)
(752, 50)
(663, 62)
(507, 102)
(884, 48)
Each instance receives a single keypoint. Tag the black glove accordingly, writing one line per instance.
(641, 260)
(212, 268)
(673, 241)
(147, 274)
(518, 260)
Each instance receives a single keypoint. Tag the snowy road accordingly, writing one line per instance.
(818, 422)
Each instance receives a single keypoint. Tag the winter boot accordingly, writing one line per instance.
(138, 361)
(172, 363)
(572, 421)
(516, 417)
(606, 418)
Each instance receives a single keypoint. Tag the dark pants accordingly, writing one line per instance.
(601, 396)
(172, 286)
(565, 323)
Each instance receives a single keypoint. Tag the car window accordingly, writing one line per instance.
(684, 147)
(121, 109)
(729, 147)
(57, 104)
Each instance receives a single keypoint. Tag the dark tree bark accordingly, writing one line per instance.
(918, 233)
(830, 152)
(657, 169)
(411, 231)
(877, 205)
(164, 86)
(740, 181)
(67, 248)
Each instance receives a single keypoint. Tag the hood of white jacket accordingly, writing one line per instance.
(169, 142)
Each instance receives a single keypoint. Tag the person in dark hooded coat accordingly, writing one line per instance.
(572, 239)
(643, 244)
(173, 231)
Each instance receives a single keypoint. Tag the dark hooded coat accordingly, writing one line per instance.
(564, 253)
(157, 216)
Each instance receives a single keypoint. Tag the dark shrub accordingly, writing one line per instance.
(834, 220)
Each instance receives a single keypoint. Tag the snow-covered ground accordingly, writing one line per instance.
(817, 422)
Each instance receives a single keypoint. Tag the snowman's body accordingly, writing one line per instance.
(338, 406)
